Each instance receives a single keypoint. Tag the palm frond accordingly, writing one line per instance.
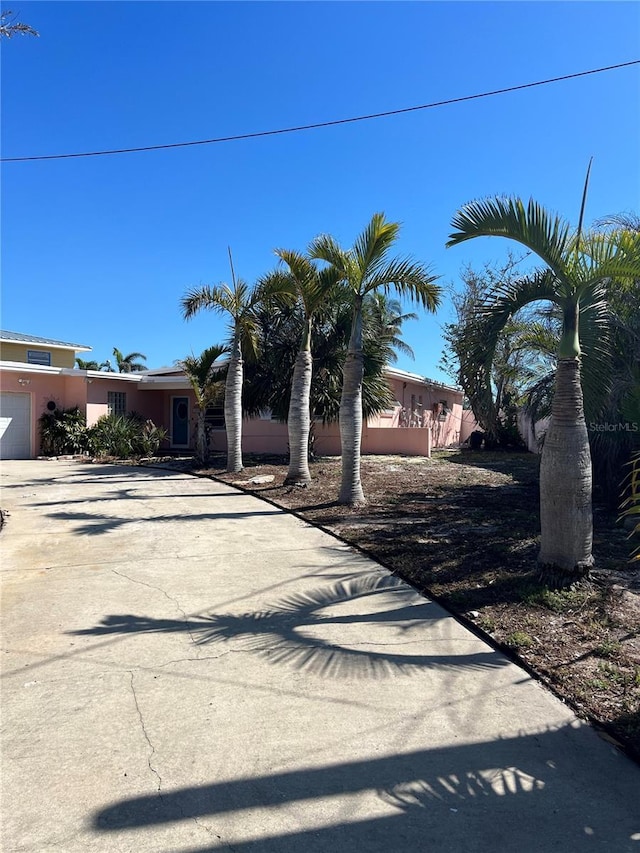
(531, 226)
(410, 279)
(373, 244)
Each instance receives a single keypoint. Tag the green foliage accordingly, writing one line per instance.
(279, 328)
(631, 505)
(124, 437)
(519, 640)
(62, 431)
(522, 360)
(559, 601)
(131, 363)
(608, 649)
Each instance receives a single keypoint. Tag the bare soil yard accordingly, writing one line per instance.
(462, 527)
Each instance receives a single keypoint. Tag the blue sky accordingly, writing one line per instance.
(100, 250)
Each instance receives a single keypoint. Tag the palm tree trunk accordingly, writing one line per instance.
(299, 417)
(233, 407)
(351, 414)
(202, 449)
(565, 484)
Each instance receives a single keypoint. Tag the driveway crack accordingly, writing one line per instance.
(146, 735)
(174, 601)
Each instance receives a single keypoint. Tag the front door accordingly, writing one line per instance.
(179, 422)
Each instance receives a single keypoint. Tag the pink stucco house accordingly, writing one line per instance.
(38, 373)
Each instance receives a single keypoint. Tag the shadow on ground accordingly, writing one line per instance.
(303, 630)
(521, 793)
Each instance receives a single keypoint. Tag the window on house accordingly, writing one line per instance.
(36, 356)
(444, 410)
(117, 402)
(214, 417)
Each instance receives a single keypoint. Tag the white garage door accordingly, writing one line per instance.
(15, 426)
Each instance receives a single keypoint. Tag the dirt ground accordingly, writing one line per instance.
(462, 527)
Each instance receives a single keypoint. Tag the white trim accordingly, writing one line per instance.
(46, 343)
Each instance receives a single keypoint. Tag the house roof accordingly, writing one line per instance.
(404, 374)
(19, 338)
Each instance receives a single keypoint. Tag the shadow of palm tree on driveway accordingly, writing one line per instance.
(306, 630)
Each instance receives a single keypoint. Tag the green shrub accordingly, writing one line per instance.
(125, 436)
(62, 431)
(113, 435)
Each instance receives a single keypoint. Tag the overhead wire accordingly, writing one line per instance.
(321, 124)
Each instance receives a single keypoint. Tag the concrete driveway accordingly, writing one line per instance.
(186, 668)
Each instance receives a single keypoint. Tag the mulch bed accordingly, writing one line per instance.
(462, 527)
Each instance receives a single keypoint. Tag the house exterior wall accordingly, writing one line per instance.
(64, 391)
(468, 425)
(146, 403)
(18, 352)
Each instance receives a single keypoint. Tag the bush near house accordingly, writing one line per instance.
(64, 431)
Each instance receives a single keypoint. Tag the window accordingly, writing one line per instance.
(117, 402)
(36, 356)
(214, 417)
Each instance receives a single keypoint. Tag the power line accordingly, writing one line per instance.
(317, 125)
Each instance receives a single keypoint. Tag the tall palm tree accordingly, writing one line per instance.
(238, 302)
(578, 267)
(129, 363)
(205, 378)
(300, 281)
(364, 269)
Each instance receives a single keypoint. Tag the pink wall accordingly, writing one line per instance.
(469, 425)
(64, 391)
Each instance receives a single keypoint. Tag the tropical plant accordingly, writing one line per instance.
(128, 363)
(300, 281)
(615, 435)
(81, 364)
(578, 266)
(62, 431)
(205, 376)
(238, 302)
(364, 269)
(279, 328)
(124, 436)
(523, 357)
(631, 505)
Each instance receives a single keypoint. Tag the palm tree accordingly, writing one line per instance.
(238, 301)
(81, 364)
(205, 377)
(303, 283)
(129, 363)
(577, 269)
(365, 269)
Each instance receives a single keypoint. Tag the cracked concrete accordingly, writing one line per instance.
(187, 670)
(145, 733)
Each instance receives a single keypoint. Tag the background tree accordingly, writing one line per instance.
(206, 377)
(577, 268)
(279, 326)
(238, 302)
(365, 269)
(612, 449)
(129, 363)
(81, 364)
(520, 366)
(9, 27)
